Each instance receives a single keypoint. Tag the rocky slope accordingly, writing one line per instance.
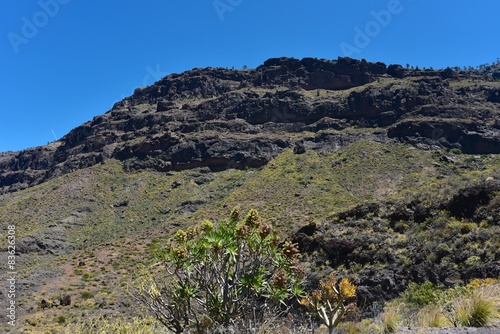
(235, 119)
(380, 173)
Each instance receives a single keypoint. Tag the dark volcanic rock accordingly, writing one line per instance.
(65, 301)
(470, 137)
(465, 203)
(220, 118)
(213, 152)
(396, 71)
(494, 95)
(311, 73)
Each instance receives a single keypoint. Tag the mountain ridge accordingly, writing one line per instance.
(179, 121)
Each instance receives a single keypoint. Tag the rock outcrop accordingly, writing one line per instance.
(223, 118)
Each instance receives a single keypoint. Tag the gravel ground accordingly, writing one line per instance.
(449, 331)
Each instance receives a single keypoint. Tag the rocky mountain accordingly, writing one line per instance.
(385, 174)
(223, 118)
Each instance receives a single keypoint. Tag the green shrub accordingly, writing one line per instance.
(61, 319)
(215, 275)
(401, 227)
(456, 151)
(472, 260)
(87, 295)
(442, 250)
(421, 294)
(458, 227)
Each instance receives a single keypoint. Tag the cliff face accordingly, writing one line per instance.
(223, 118)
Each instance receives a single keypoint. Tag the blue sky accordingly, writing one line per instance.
(65, 61)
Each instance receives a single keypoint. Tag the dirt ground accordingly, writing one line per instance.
(450, 331)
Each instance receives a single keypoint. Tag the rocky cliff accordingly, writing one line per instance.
(224, 118)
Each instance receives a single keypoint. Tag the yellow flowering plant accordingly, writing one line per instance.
(330, 301)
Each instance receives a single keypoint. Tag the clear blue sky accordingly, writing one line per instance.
(65, 61)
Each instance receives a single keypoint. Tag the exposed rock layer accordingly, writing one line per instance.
(224, 118)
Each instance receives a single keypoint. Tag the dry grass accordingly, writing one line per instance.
(102, 325)
(389, 321)
(272, 324)
(475, 305)
(478, 310)
(432, 316)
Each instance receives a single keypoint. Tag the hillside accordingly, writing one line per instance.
(385, 174)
